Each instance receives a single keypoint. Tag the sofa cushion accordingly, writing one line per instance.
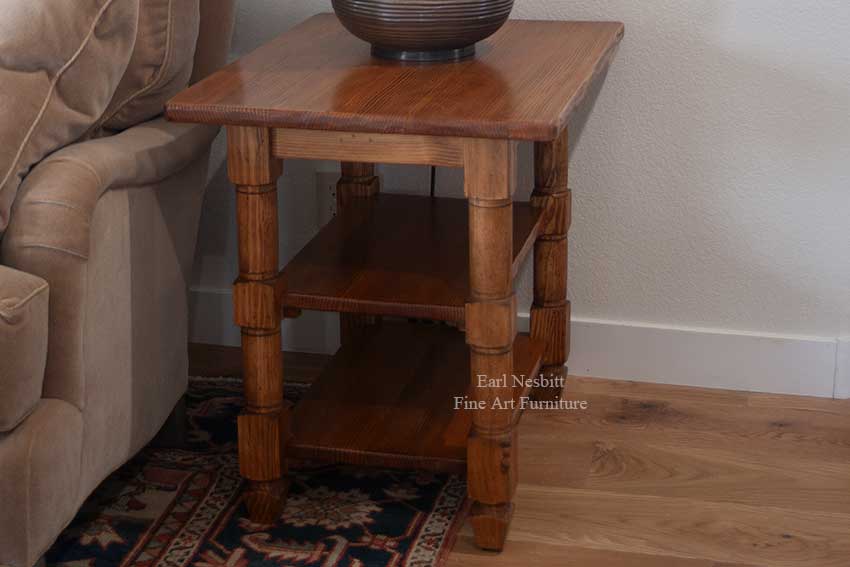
(39, 481)
(161, 64)
(60, 63)
(23, 344)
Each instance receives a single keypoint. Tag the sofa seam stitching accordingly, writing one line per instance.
(78, 162)
(5, 312)
(54, 248)
(57, 203)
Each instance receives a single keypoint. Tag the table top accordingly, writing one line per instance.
(523, 84)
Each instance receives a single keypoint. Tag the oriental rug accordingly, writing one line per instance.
(181, 508)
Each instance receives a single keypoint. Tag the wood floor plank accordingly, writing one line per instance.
(629, 389)
(551, 458)
(712, 468)
(719, 475)
(797, 417)
(525, 554)
(680, 527)
(803, 403)
(811, 434)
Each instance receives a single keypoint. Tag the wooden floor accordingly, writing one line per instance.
(653, 475)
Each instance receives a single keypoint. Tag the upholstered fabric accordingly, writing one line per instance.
(51, 231)
(39, 481)
(60, 63)
(110, 224)
(143, 241)
(161, 64)
(217, 19)
(23, 344)
(123, 307)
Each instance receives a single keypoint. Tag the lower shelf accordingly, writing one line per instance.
(387, 400)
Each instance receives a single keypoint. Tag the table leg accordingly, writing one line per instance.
(358, 181)
(550, 313)
(264, 423)
(490, 172)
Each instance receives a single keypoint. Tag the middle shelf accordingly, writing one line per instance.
(400, 255)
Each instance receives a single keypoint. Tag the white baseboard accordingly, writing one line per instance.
(704, 357)
(708, 358)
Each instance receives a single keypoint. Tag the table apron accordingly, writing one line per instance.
(411, 149)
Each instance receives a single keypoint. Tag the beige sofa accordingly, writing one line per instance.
(97, 244)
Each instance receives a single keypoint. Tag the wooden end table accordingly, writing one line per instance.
(388, 396)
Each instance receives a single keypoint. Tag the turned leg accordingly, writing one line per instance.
(550, 313)
(264, 423)
(490, 332)
(358, 181)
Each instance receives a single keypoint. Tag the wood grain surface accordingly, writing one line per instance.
(524, 83)
(492, 450)
(664, 476)
(400, 255)
(386, 399)
(264, 423)
(550, 310)
(289, 143)
(356, 183)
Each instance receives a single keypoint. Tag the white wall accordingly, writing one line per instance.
(711, 178)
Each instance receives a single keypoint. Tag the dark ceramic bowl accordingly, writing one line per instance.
(423, 30)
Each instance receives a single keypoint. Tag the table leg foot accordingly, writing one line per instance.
(265, 500)
(490, 524)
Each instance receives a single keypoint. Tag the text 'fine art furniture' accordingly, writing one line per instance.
(388, 397)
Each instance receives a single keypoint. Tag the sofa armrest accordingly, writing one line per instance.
(49, 232)
(23, 344)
